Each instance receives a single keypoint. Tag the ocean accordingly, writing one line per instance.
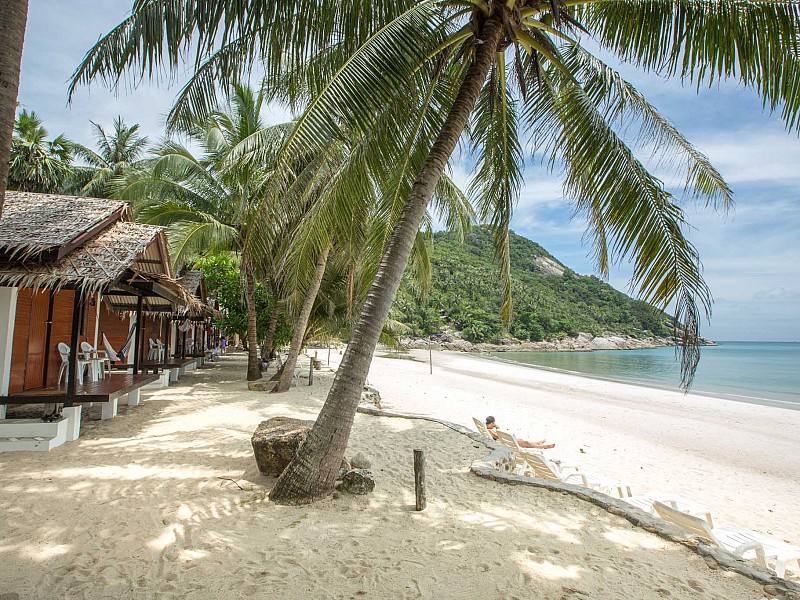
(757, 372)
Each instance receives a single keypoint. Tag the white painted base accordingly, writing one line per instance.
(109, 410)
(73, 416)
(181, 371)
(32, 435)
(134, 397)
(163, 381)
(191, 366)
(3, 411)
(173, 375)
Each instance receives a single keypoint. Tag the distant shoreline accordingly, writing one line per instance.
(756, 400)
(583, 342)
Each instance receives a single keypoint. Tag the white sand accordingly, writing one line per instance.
(141, 507)
(741, 460)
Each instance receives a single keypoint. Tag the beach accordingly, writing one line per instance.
(742, 460)
(165, 501)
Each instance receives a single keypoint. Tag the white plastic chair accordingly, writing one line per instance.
(160, 350)
(64, 351)
(741, 542)
(97, 359)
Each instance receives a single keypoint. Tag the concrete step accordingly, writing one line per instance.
(34, 434)
(35, 443)
(28, 428)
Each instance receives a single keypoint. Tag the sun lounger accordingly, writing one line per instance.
(741, 542)
(544, 468)
(645, 502)
(481, 427)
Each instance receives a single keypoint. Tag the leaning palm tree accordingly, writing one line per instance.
(38, 164)
(117, 152)
(12, 35)
(510, 78)
(206, 202)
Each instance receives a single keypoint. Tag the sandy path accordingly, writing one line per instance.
(139, 508)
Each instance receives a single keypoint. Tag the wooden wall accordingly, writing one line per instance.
(30, 350)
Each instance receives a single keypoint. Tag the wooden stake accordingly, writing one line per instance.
(419, 478)
(311, 372)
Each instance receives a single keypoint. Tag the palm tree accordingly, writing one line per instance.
(510, 70)
(116, 153)
(38, 164)
(12, 36)
(210, 203)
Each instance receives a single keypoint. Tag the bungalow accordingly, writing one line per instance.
(73, 272)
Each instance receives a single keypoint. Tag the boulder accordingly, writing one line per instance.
(261, 385)
(360, 461)
(357, 481)
(371, 396)
(275, 442)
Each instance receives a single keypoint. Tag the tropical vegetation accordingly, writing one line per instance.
(37, 164)
(551, 300)
(117, 153)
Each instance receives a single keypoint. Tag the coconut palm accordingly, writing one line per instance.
(209, 203)
(38, 164)
(12, 35)
(117, 152)
(509, 77)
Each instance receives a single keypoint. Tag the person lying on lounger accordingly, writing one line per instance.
(491, 425)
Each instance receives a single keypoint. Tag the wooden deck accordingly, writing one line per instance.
(104, 390)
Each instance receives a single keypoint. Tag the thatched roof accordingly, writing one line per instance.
(92, 267)
(167, 295)
(193, 281)
(41, 223)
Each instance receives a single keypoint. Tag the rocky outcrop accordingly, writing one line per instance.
(275, 442)
(357, 481)
(583, 342)
(371, 396)
(261, 385)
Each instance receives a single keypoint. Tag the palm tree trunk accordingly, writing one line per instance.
(253, 364)
(312, 473)
(12, 36)
(287, 373)
(269, 341)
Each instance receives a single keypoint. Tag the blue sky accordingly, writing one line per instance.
(751, 256)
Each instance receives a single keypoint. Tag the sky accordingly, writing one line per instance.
(750, 255)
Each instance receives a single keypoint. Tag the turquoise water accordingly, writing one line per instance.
(759, 372)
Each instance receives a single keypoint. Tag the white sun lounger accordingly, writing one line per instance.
(645, 502)
(741, 542)
(544, 468)
(481, 427)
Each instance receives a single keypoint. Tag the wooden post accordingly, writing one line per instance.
(311, 372)
(419, 478)
(77, 317)
(166, 341)
(137, 350)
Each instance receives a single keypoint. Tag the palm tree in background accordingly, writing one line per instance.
(510, 78)
(38, 164)
(207, 202)
(12, 36)
(117, 152)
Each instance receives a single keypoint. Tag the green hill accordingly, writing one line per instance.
(550, 300)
